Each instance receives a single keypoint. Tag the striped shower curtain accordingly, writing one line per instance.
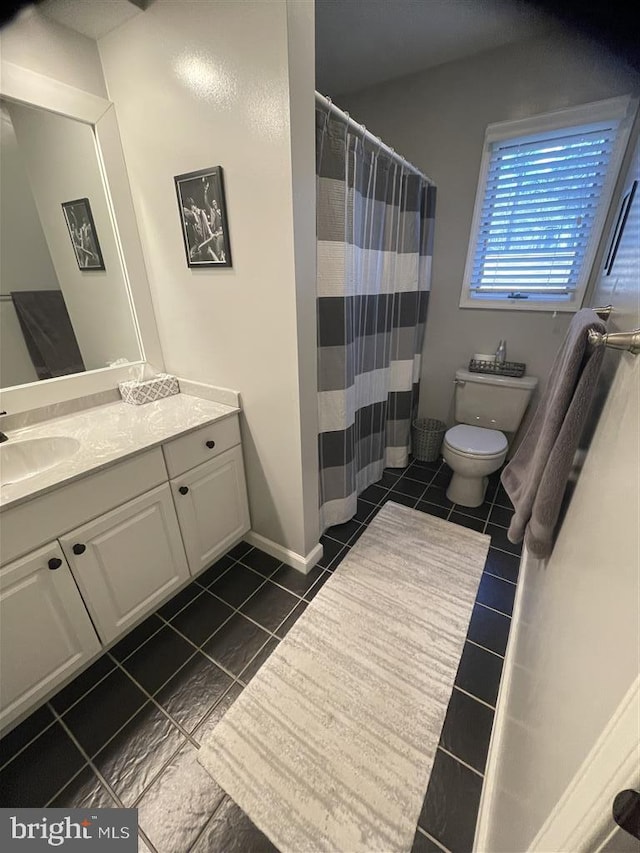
(375, 223)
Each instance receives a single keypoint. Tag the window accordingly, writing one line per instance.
(544, 191)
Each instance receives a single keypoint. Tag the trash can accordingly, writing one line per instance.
(427, 438)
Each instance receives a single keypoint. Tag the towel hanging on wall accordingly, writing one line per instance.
(536, 477)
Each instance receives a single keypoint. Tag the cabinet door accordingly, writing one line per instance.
(45, 630)
(127, 561)
(213, 511)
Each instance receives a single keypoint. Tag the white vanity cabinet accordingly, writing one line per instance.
(127, 561)
(129, 535)
(211, 502)
(45, 631)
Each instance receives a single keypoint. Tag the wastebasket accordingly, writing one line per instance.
(427, 438)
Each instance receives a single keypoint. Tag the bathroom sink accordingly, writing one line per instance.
(20, 460)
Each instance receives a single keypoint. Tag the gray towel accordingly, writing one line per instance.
(48, 333)
(536, 477)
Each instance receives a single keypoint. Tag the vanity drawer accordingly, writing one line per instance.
(43, 519)
(199, 446)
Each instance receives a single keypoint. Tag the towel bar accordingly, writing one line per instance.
(604, 311)
(627, 341)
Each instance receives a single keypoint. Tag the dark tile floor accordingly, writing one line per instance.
(127, 730)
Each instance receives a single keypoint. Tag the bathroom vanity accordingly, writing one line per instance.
(108, 510)
(137, 501)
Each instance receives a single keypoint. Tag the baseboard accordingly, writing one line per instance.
(291, 558)
(499, 722)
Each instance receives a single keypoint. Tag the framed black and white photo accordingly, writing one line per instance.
(203, 216)
(623, 213)
(84, 237)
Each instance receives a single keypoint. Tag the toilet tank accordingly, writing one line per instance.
(494, 402)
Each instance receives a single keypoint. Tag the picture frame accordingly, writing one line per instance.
(623, 213)
(83, 234)
(203, 218)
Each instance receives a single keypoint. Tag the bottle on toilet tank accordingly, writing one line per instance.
(501, 352)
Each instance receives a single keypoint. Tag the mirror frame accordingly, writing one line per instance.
(28, 87)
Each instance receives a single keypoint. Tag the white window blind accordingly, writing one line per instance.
(543, 195)
(540, 203)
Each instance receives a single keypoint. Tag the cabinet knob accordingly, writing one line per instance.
(54, 563)
(78, 548)
(210, 444)
(626, 811)
(183, 490)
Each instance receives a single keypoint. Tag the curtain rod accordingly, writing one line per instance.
(328, 105)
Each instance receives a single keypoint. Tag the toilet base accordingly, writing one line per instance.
(467, 491)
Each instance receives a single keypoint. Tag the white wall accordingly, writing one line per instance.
(60, 159)
(25, 262)
(38, 43)
(437, 119)
(200, 84)
(575, 651)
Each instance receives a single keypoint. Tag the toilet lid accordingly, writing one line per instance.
(476, 440)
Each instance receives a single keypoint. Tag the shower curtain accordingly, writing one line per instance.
(375, 224)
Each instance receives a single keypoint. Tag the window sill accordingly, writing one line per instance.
(520, 305)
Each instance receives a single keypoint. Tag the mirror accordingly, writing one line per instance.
(65, 307)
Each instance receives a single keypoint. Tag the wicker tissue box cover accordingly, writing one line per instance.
(139, 392)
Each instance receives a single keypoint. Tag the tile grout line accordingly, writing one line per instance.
(337, 541)
(87, 758)
(196, 745)
(237, 610)
(201, 650)
(147, 840)
(211, 817)
(149, 698)
(29, 742)
(65, 725)
(432, 839)
(284, 565)
(471, 696)
(460, 761)
(497, 577)
(484, 648)
(157, 776)
(213, 660)
(493, 503)
(502, 550)
(69, 781)
(211, 710)
(494, 609)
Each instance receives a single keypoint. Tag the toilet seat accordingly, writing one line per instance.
(475, 441)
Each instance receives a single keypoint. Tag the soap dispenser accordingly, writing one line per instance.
(501, 352)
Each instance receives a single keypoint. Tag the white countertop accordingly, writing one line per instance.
(109, 434)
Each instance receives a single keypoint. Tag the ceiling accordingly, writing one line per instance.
(93, 18)
(361, 43)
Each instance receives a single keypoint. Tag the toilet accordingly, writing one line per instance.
(486, 406)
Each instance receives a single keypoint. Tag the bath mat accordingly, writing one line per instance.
(330, 746)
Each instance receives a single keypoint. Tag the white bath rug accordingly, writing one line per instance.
(330, 746)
